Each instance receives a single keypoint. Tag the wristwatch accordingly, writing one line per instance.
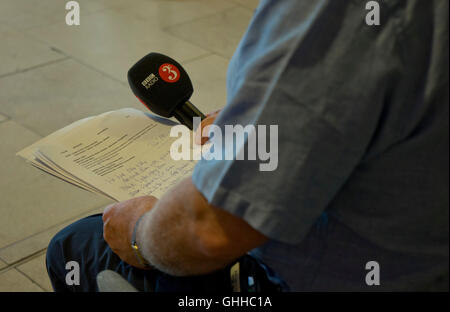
(135, 246)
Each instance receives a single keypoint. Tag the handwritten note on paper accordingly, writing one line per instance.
(123, 153)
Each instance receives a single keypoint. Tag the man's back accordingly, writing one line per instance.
(397, 197)
(378, 185)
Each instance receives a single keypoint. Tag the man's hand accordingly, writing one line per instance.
(204, 126)
(118, 225)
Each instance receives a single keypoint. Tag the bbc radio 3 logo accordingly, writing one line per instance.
(169, 73)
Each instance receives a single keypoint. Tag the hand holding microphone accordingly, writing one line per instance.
(204, 128)
(162, 85)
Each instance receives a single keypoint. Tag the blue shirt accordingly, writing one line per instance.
(363, 143)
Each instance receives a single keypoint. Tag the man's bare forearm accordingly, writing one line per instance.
(171, 234)
(184, 235)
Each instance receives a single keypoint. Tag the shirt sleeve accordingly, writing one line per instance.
(320, 73)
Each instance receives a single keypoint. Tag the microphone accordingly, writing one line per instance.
(163, 85)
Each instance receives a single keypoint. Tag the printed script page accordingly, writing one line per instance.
(124, 154)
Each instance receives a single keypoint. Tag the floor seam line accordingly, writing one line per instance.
(21, 71)
(31, 279)
(188, 61)
(24, 260)
(49, 228)
(235, 5)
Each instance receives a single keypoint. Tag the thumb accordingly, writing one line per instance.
(204, 125)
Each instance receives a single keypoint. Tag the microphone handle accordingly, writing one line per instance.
(184, 113)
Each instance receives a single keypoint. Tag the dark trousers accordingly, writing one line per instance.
(83, 242)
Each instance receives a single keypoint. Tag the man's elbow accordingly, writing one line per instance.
(223, 242)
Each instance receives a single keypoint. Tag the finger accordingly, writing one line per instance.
(205, 135)
(151, 201)
(203, 123)
(105, 232)
(214, 113)
(207, 121)
(199, 138)
(116, 251)
(106, 211)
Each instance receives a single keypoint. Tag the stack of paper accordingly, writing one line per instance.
(120, 154)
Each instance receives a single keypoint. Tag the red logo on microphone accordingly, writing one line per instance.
(169, 73)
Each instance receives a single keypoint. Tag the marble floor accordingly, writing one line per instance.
(52, 74)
